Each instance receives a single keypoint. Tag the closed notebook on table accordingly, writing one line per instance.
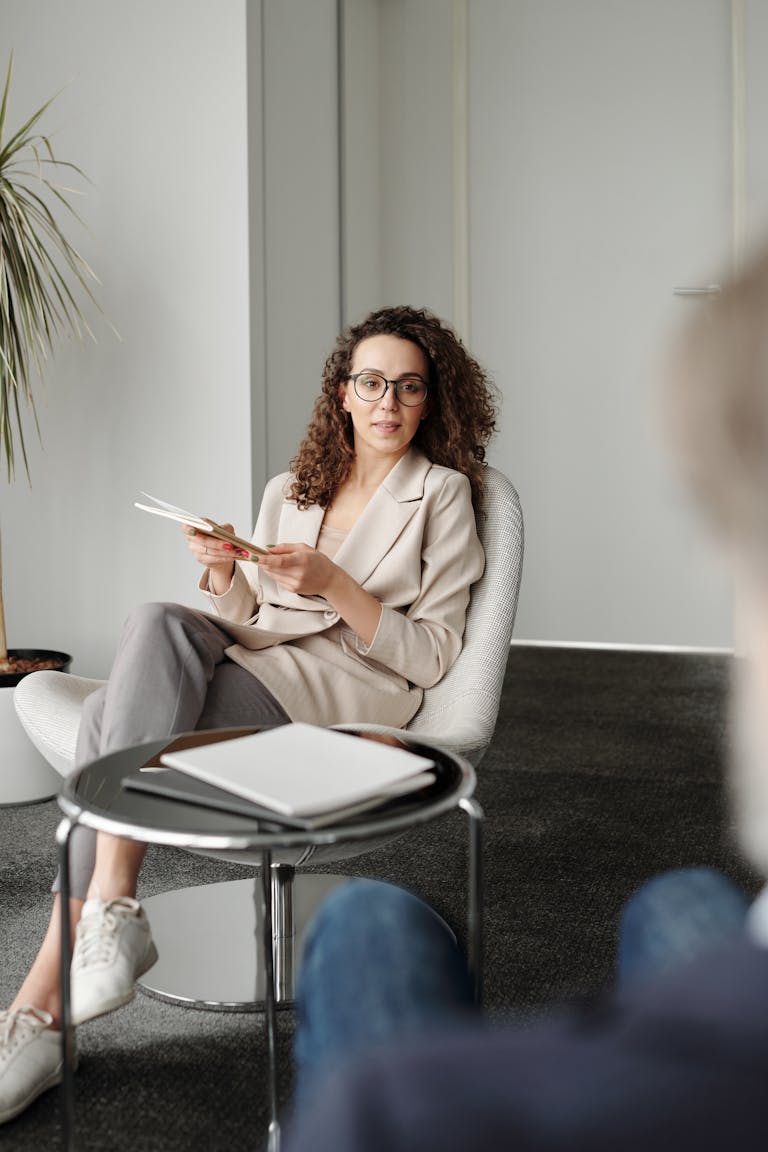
(171, 784)
(303, 772)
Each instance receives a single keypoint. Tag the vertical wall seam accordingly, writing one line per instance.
(460, 165)
(342, 160)
(738, 189)
(264, 280)
(257, 249)
(739, 129)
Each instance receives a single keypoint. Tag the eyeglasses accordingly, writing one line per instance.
(372, 386)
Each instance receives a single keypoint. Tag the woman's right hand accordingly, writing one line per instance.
(214, 554)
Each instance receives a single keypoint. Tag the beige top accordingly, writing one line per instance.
(330, 540)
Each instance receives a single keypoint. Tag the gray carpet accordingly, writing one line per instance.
(605, 768)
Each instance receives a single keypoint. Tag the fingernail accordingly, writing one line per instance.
(191, 531)
(227, 547)
(254, 558)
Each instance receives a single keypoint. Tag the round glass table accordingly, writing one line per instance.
(100, 796)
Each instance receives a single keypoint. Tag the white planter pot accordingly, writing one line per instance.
(25, 776)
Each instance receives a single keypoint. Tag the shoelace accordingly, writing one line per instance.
(96, 936)
(16, 1026)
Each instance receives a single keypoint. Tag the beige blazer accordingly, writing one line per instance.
(414, 547)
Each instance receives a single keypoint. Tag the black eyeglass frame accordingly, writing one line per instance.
(395, 385)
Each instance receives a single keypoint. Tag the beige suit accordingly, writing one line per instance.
(415, 548)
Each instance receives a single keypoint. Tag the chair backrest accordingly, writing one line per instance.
(460, 711)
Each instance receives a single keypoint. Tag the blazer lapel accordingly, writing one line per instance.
(385, 516)
(300, 527)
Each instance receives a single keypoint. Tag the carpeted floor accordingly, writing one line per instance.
(606, 767)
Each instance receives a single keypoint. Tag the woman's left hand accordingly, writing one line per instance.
(299, 568)
(302, 569)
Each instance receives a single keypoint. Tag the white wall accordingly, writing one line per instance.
(210, 134)
(153, 108)
(301, 217)
(398, 155)
(599, 176)
(600, 179)
(756, 101)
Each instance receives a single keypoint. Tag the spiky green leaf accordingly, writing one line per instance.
(42, 274)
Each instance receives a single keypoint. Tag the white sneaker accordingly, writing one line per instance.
(113, 947)
(30, 1058)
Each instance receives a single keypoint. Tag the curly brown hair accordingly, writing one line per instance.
(461, 419)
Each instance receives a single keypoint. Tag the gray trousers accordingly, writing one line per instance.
(170, 675)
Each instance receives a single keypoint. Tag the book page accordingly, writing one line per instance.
(200, 523)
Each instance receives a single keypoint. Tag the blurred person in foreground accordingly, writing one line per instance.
(390, 1053)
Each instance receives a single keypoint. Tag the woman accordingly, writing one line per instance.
(357, 607)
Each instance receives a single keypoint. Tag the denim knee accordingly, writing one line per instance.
(682, 891)
(676, 916)
(368, 928)
(365, 909)
(379, 965)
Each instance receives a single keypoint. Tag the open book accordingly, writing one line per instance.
(298, 775)
(160, 508)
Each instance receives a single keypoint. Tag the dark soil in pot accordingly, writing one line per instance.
(26, 660)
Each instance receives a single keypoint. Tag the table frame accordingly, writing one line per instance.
(76, 814)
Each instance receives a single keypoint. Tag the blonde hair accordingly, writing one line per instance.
(718, 391)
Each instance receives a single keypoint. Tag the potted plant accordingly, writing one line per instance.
(39, 273)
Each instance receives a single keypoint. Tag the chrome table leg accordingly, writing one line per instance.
(475, 895)
(273, 1141)
(63, 834)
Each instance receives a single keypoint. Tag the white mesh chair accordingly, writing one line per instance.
(458, 714)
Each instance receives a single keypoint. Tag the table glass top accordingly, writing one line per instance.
(97, 796)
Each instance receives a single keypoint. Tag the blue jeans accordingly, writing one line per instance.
(675, 917)
(380, 966)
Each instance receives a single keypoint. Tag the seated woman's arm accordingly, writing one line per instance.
(302, 569)
(422, 642)
(419, 641)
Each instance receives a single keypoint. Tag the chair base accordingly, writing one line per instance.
(25, 776)
(208, 938)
